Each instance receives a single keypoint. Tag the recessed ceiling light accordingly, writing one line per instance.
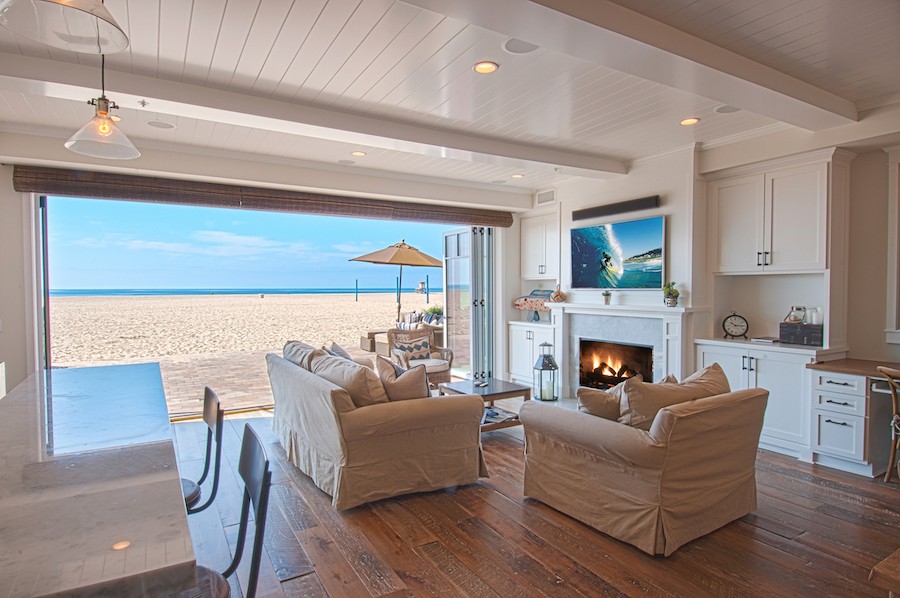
(160, 124)
(358, 154)
(485, 67)
(687, 122)
(346, 162)
(726, 109)
(518, 175)
(121, 545)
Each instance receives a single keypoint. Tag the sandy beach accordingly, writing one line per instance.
(95, 330)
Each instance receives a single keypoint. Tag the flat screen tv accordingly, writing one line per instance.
(619, 255)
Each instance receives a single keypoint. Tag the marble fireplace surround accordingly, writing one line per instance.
(666, 329)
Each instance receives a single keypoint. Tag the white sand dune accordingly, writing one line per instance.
(108, 329)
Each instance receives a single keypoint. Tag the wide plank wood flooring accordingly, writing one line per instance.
(817, 532)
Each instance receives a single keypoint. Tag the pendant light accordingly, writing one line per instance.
(77, 25)
(101, 138)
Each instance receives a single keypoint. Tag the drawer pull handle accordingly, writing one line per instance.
(831, 421)
(844, 403)
(838, 383)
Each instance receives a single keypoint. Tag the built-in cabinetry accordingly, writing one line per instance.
(780, 370)
(850, 415)
(540, 247)
(525, 340)
(777, 234)
(773, 221)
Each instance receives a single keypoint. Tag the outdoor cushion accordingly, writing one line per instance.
(363, 384)
(400, 384)
(431, 365)
(641, 401)
(336, 349)
(418, 349)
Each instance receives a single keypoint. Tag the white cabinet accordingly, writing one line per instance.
(524, 347)
(770, 222)
(849, 426)
(786, 424)
(540, 247)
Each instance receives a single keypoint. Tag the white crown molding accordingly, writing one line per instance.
(823, 155)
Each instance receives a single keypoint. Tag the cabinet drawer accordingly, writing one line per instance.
(842, 383)
(838, 403)
(839, 435)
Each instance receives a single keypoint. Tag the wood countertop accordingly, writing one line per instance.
(855, 367)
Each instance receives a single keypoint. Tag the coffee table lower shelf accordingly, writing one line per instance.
(495, 390)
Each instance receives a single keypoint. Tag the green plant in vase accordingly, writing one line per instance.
(670, 294)
(607, 295)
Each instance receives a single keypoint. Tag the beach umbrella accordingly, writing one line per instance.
(399, 254)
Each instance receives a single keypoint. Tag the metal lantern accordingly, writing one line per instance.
(545, 374)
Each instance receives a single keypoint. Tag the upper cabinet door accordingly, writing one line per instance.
(737, 222)
(532, 247)
(796, 219)
(551, 247)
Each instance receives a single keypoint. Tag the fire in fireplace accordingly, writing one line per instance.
(603, 364)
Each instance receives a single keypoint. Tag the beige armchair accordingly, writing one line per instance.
(692, 473)
(410, 348)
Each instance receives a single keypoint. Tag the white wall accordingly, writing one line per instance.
(673, 178)
(868, 258)
(13, 342)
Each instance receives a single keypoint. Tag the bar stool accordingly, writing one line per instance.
(253, 468)
(893, 376)
(213, 415)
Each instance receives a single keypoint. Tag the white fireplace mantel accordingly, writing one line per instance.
(676, 351)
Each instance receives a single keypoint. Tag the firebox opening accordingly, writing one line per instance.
(603, 364)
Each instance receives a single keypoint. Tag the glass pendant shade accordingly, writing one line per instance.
(101, 138)
(77, 25)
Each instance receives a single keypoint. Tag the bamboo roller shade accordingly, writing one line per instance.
(106, 185)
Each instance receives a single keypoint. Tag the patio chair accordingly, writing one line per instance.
(410, 348)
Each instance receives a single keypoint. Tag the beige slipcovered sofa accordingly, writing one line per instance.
(690, 474)
(379, 450)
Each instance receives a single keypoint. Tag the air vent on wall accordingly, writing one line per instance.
(544, 197)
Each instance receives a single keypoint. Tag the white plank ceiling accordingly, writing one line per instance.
(399, 65)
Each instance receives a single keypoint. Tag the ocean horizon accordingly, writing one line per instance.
(255, 291)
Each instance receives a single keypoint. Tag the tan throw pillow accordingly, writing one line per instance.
(360, 382)
(400, 384)
(640, 401)
(669, 379)
(596, 402)
(300, 353)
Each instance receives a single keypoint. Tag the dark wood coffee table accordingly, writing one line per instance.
(494, 391)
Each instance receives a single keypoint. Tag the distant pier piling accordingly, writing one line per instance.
(356, 294)
(427, 290)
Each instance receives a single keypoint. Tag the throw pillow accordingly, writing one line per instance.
(336, 349)
(669, 379)
(400, 384)
(300, 353)
(640, 402)
(596, 402)
(417, 349)
(360, 382)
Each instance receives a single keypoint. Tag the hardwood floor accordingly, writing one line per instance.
(817, 532)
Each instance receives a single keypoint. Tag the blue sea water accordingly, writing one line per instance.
(179, 292)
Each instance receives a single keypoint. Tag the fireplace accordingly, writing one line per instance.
(604, 364)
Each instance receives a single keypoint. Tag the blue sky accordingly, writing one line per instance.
(102, 244)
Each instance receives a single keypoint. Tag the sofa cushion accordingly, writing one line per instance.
(417, 349)
(300, 353)
(640, 401)
(336, 349)
(363, 384)
(597, 402)
(400, 384)
(431, 365)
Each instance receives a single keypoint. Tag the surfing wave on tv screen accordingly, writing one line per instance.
(620, 255)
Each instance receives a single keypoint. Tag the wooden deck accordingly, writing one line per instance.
(817, 532)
